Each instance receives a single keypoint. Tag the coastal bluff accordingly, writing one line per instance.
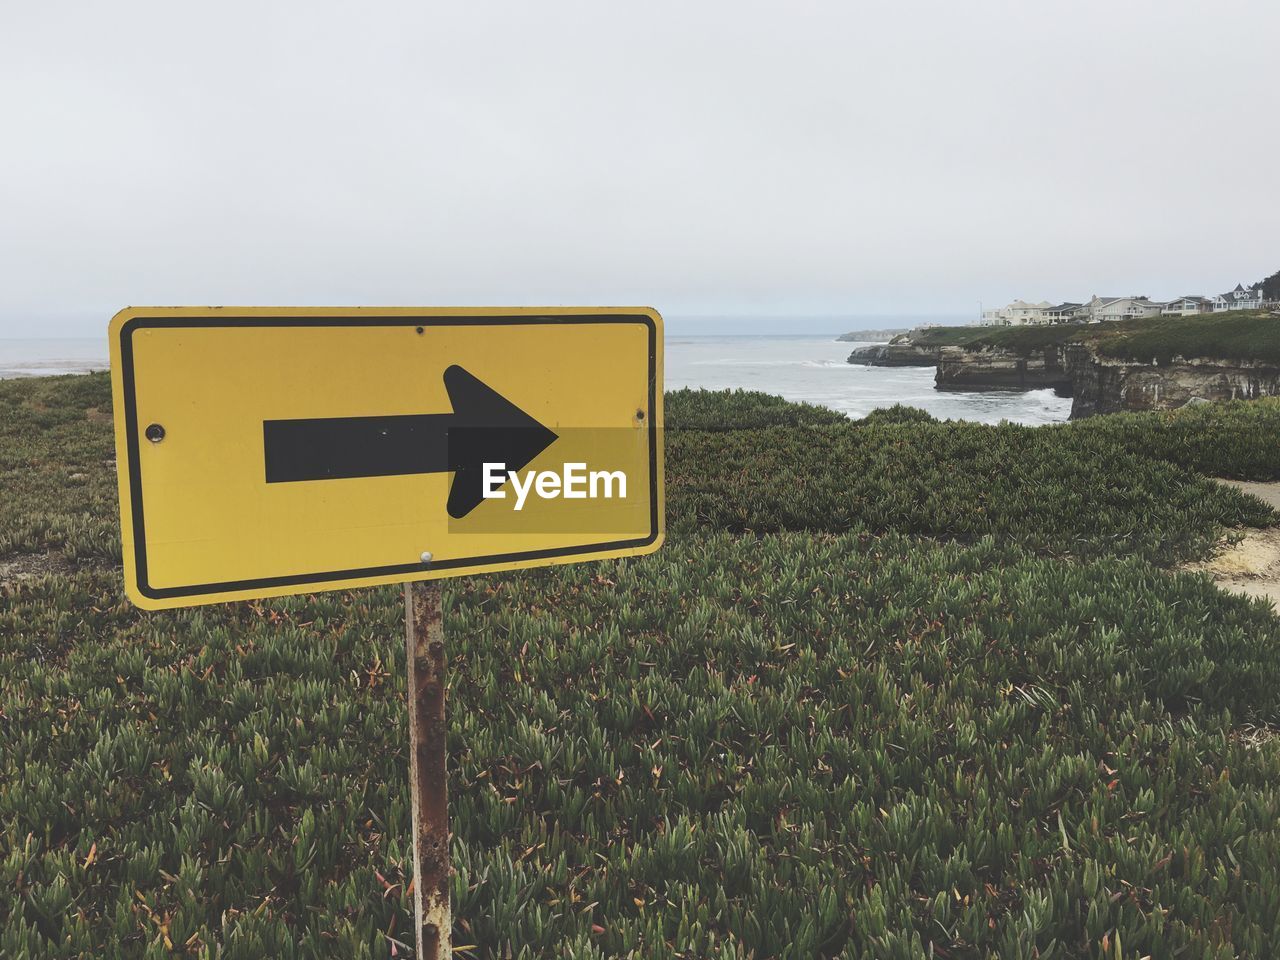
(1106, 385)
(895, 354)
(1100, 384)
(1147, 364)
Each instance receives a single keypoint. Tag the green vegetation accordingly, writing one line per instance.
(844, 713)
(1235, 335)
(741, 410)
(1121, 485)
(1066, 492)
(56, 468)
(1271, 286)
(898, 413)
(1018, 339)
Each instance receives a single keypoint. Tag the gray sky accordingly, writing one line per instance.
(854, 159)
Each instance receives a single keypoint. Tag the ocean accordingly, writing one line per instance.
(46, 358)
(807, 368)
(813, 369)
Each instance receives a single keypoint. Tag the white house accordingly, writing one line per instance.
(1019, 313)
(1103, 309)
(1187, 307)
(1238, 299)
(1066, 313)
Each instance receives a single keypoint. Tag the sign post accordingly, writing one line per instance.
(428, 781)
(267, 451)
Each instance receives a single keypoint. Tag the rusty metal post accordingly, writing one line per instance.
(424, 639)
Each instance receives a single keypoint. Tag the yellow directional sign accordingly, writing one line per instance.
(267, 451)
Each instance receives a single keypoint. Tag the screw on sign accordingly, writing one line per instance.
(364, 446)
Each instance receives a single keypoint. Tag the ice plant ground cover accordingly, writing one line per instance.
(894, 688)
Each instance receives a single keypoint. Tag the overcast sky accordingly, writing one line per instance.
(790, 158)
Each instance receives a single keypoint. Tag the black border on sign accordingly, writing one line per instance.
(229, 319)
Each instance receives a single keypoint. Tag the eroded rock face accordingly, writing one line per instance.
(1100, 384)
(894, 355)
(1110, 386)
(996, 369)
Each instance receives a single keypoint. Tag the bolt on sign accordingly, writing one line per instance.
(269, 451)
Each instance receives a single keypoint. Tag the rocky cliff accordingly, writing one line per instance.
(1099, 384)
(895, 355)
(992, 368)
(873, 336)
(1104, 385)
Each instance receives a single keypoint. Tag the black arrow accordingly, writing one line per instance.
(484, 427)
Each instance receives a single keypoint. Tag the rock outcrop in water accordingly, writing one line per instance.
(872, 336)
(992, 368)
(895, 354)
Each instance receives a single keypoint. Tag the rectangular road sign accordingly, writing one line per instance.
(265, 451)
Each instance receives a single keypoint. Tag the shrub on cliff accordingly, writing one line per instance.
(1019, 340)
(1065, 491)
(790, 744)
(1233, 335)
(898, 413)
(1252, 335)
(741, 410)
(1239, 440)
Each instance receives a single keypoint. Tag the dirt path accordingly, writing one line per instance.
(24, 566)
(1250, 564)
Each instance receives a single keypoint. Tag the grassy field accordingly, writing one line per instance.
(893, 689)
(1235, 335)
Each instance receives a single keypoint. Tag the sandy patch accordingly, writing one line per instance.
(1268, 493)
(24, 566)
(1248, 561)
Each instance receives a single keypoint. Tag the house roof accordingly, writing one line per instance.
(1108, 301)
(1239, 293)
(1066, 306)
(1103, 301)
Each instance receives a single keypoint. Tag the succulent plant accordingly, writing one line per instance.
(891, 690)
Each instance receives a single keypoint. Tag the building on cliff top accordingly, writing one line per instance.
(1066, 313)
(1103, 309)
(1241, 298)
(1187, 306)
(1017, 314)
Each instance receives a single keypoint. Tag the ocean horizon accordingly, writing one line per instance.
(802, 367)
